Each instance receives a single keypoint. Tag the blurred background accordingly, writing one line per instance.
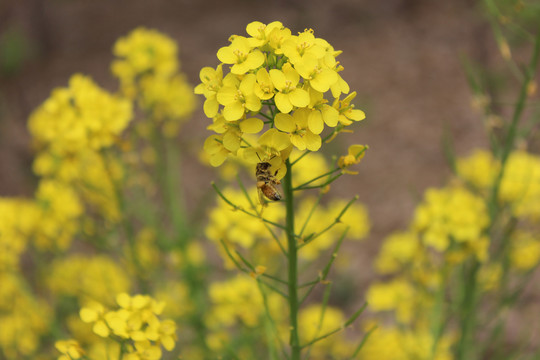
(403, 57)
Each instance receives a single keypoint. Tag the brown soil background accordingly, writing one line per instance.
(401, 56)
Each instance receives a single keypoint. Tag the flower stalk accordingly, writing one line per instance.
(292, 263)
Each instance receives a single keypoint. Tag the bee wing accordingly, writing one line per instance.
(262, 201)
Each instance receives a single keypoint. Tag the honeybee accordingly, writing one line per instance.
(266, 182)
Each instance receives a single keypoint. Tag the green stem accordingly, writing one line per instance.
(513, 129)
(468, 312)
(293, 264)
(125, 222)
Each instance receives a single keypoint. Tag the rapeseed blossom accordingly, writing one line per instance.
(520, 184)
(392, 343)
(79, 117)
(137, 321)
(148, 68)
(95, 278)
(453, 217)
(70, 349)
(18, 219)
(280, 79)
(24, 318)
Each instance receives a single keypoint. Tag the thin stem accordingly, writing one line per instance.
(513, 129)
(322, 277)
(364, 339)
(311, 214)
(304, 185)
(294, 341)
(236, 207)
(346, 324)
(244, 270)
(327, 182)
(467, 308)
(337, 220)
(129, 231)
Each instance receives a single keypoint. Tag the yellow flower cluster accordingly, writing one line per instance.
(70, 349)
(60, 210)
(453, 218)
(238, 301)
(449, 227)
(90, 174)
(520, 185)
(148, 69)
(79, 117)
(49, 221)
(282, 78)
(136, 321)
(392, 343)
(23, 319)
(88, 278)
(17, 223)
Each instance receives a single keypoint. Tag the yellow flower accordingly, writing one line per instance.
(241, 54)
(273, 74)
(70, 349)
(451, 215)
(479, 169)
(18, 221)
(520, 185)
(315, 321)
(98, 278)
(212, 81)
(264, 88)
(525, 251)
(237, 96)
(304, 47)
(397, 295)
(144, 51)
(296, 125)
(347, 113)
(289, 94)
(355, 154)
(260, 32)
(79, 117)
(397, 251)
(95, 313)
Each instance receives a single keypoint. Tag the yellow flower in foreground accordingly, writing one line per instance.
(70, 349)
(211, 82)
(237, 97)
(241, 55)
(289, 95)
(347, 113)
(95, 313)
(281, 79)
(296, 125)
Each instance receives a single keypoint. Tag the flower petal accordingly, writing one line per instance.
(283, 103)
(299, 97)
(251, 125)
(233, 111)
(315, 122)
(284, 122)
